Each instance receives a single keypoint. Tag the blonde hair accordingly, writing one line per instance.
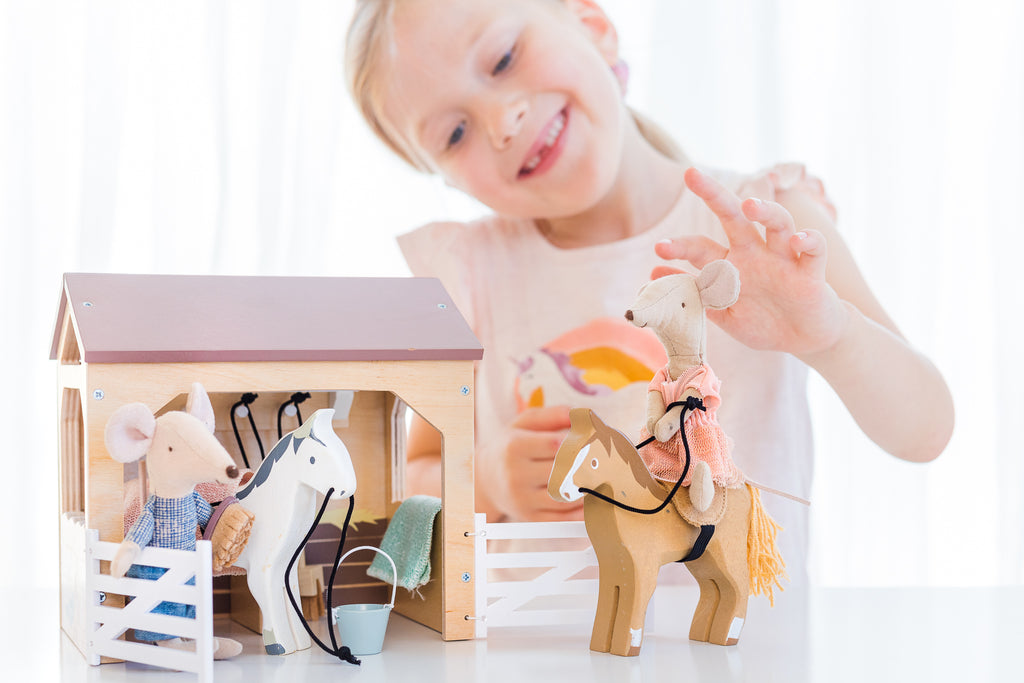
(368, 36)
(366, 41)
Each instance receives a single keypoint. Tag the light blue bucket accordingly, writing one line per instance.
(362, 626)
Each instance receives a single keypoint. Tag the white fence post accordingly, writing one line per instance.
(480, 552)
(93, 596)
(108, 624)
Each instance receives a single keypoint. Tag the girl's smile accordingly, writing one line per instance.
(548, 147)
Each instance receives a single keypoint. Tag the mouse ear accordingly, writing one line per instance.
(198, 405)
(719, 284)
(129, 432)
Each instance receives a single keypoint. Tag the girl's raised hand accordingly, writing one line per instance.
(515, 467)
(785, 302)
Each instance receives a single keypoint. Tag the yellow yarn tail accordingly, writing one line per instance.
(763, 558)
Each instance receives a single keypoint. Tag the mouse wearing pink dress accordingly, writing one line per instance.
(673, 308)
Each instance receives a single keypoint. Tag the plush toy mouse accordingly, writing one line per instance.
(181, 451)
(673, 308)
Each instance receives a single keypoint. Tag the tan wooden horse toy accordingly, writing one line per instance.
(735, 558)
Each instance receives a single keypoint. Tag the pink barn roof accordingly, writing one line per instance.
(194, 318)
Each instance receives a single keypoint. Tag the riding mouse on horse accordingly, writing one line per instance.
(636, 521)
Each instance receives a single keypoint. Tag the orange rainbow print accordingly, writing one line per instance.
(589, 366)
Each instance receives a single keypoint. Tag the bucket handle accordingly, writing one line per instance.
(394, 570)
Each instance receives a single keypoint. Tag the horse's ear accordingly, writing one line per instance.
(323, 421)
(581, 419)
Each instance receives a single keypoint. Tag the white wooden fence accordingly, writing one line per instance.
(520, 586)
(107, 624)
(516, 586)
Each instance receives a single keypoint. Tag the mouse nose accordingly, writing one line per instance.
(629, 315)
(232, 471)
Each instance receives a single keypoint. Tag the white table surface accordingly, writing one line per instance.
(840, 634)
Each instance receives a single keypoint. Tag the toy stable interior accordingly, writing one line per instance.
(367, 346)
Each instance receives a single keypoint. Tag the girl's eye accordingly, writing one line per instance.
(457, 134)
(502, 64)
(594, 463)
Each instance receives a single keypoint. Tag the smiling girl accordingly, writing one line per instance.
(519, 103)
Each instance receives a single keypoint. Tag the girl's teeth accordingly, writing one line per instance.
(556, 128)
(553, 133)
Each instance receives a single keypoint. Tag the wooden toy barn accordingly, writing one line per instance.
(369, 347)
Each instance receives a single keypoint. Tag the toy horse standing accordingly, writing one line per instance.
(740, 558)
(284, 495)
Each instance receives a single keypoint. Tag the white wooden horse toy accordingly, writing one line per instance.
(284, 494)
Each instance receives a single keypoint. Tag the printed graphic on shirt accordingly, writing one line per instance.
(603, 365)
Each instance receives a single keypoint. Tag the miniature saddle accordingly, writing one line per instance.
(686, 510)
(228, 532)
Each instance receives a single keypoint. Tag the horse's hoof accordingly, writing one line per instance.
(733, 636)
(271, 645)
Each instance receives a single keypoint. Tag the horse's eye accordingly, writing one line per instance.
(683, 304)
(312, 460)
(594, 463)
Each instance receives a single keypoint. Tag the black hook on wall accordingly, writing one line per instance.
(246, 400)
(296, 398)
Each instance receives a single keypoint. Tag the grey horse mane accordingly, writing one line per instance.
(278, 452)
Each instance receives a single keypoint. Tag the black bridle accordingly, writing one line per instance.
(341, 652)
(707, 530)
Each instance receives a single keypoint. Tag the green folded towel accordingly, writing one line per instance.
(407, 541)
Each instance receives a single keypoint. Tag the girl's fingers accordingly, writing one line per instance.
(699, 250)
(812, 250)
(528, 446)
(544, 418)
(777, 222)
(726, 205)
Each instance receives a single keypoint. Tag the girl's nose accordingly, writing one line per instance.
(508, 122)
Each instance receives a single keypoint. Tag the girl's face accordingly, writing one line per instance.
(512, 102)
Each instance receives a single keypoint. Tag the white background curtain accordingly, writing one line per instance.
(217, 137)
